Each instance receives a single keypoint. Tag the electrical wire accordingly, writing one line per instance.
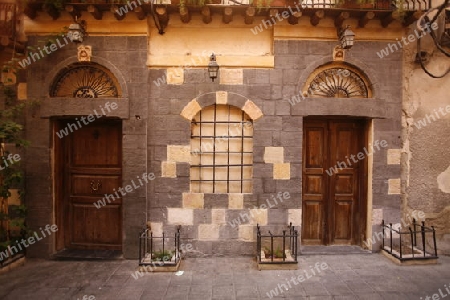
(424, 19)
(425, 69)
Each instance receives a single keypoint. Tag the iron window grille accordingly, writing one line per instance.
(221, 150)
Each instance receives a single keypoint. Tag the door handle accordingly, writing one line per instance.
(95, 186)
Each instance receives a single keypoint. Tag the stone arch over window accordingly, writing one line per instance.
(85, 80)
(221, 142)
(337, 80)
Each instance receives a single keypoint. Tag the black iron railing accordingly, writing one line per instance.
(408, 5)
(412, 5)
(158, 251)
(277, 248)
(405, 246)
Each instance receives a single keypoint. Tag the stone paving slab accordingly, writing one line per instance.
(355, 276)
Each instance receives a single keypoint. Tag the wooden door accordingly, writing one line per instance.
(333, 182)
(92, 167)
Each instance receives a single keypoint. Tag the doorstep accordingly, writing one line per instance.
(12, 264)
(333, 250)
(82, 254)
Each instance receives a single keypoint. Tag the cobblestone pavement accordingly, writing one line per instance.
(369, 276)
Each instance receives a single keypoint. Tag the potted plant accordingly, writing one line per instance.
(279, 253)
(356, 4)
(196, 3)
(265, 3)
(162, 255)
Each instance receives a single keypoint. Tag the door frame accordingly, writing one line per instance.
(61, 181)
(361, 211)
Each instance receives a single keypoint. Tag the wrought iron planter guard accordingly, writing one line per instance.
(406, 243)
(159, 251)
(288, 251)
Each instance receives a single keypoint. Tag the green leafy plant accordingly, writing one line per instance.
(198, 3)
(12, 218)
(11, 176)
(279, 253)
(57, 4)
(10, 133)
(162, 255)
(261, 3)
(354, 3)
(267, 252)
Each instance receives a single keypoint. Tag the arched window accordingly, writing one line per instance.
(85, 80)
(221, 150)
(337, 82)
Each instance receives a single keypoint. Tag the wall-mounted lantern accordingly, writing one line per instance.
(213, 67)
(346, 37)
(77, 32)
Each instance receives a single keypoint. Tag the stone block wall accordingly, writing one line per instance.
(210, 221)
(157, 130)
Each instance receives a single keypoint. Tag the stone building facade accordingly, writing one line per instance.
(299, 108)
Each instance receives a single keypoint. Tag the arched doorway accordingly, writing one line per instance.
(335, 154)
(88, 161)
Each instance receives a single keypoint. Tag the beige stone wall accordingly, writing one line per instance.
(44, 25)
(183, 45)
(425, 158)
(247, 65)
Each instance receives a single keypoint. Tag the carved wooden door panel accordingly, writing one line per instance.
(93, 168)
(332, 181)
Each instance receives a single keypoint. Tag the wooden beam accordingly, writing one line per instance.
(206, 15)
(185, 16)
(163, 16)
(95, 12)
(366, 18)
(250, 15)
(227, 15)
(293, 18)
(140, 13)
(316, 17)
(271, 17)
(273, 12)
(114, 10)
(73, 11)
(390, 18)
(340, 19)
(412, 18)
